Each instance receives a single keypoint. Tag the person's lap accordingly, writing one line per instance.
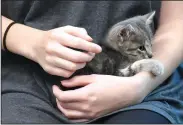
(27, 98)
(139, 116)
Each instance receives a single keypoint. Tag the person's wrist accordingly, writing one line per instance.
(30, 50)
(136, 89)
(138, 93)
(22, 40)
(144, 84)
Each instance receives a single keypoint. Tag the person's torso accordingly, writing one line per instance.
(95, 16)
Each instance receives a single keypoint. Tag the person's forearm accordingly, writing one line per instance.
(167, 43)
(20, 38)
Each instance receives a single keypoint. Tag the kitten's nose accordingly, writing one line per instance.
(149, 53)
(150, 56)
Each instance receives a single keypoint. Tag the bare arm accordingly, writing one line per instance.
(20, 38)
(168, 43)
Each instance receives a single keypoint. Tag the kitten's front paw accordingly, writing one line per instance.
(151, 65)
(157, 69)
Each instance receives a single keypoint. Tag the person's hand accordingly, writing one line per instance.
(100, 95)
(55, 54)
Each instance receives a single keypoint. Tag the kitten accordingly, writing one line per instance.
(127, 49)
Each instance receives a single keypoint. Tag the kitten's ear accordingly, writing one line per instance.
(127, 30)
(149, 17)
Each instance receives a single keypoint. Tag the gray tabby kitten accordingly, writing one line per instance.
(127, 49)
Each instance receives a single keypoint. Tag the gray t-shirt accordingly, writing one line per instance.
(96, 17)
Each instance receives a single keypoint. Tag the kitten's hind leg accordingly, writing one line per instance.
(150, 65)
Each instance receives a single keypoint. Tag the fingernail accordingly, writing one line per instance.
(99, 48)
(53, 86)
(89, 38)
(63, 82)
(92, 54)
(53, 89)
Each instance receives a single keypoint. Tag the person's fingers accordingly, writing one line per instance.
(71, 114)
(57, 71)
(79, 81)
(77, 43)
(64, 64)
(68, 54)
(70, 95)
(78, 32)
(80, 106)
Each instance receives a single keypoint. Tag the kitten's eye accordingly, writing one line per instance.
(142, 48)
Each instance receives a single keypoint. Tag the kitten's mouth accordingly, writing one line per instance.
(131, 54)
(127, 54)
